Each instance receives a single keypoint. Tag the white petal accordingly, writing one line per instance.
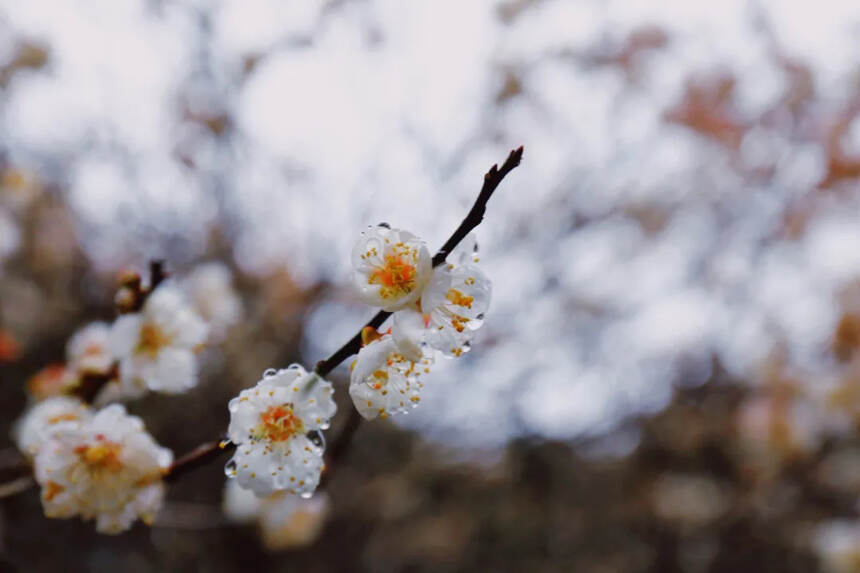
(407, 330)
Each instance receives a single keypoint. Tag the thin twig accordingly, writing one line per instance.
(476, 214)
(91, 383)
(157, 274)
(199, 456)
(16, 486)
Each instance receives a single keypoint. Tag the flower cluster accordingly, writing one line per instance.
(285, 521)
(153, 345)
(101, 465)
(276, 424)
(435, 310)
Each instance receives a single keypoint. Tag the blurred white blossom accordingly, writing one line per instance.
(47, 419)
(285, 520)
(106, 468)
(156, 347)
(210, 290)
(88, 350)
(838, 546)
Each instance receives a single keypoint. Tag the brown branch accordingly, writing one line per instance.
(324, 367)
(92, 383)
(16, 486)
(199, 456)
(13, 464)
(157, 274)
(476, 214)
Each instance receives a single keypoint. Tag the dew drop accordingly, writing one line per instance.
(269, 373)
(294, 366)
(480, 316)
(325, 425)
(230, 469)
(317, 439)
(384, 225)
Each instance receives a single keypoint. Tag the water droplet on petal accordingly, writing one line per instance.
(384, 225)
(325, 425)
(317, 439)
(269, 373)
(480, 316)
(230, 469)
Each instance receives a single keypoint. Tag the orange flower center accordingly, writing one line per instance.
(279, 423)
(103, 455)
(152, 340)
(458, 298)
(396, 277)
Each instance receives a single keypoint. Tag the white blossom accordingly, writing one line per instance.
(46, 419)
(285, 520)
(156, 347)
(451, 308)
(391, 267)
(210, 289)
(88, 350)
(107, 468)
(838, 546)
(383, 381)
(269, 424)
(240, 505)
(289, 521)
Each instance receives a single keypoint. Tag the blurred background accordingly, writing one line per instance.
(669, 375)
